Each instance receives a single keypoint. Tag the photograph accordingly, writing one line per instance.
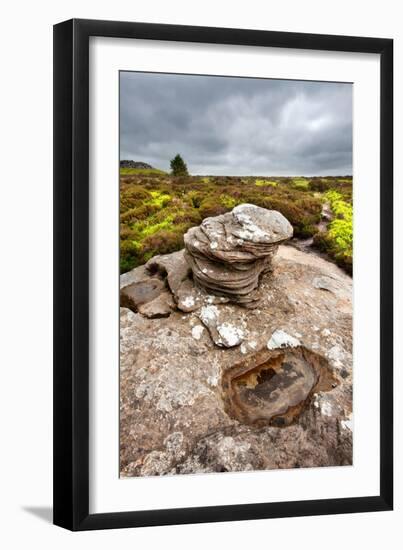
(236, 266)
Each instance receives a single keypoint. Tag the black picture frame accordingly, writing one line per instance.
(71, 274)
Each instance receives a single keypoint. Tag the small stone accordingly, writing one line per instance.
(327, 283)
(138, 293)
(162, 306)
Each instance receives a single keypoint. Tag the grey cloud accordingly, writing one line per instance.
(237, 126)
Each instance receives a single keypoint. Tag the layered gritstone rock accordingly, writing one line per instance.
(229, 253)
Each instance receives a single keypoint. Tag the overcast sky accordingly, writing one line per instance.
(236, 126)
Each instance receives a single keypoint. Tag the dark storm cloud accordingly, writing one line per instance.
(236, 126)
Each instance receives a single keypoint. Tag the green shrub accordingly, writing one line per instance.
(162, 242)
(196, 198)
(300, 183)
(265, 183)
(228, 202)
(307, 231)
(337, 241)
(211, 207)
(187, 217)
(319, 185)
(130, 255)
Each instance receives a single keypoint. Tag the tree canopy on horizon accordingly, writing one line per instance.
(178, 166)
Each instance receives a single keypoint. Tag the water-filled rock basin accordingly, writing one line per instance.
(274, 389)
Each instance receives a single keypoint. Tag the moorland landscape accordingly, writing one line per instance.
(227, 365)
(236, 264)
(157, 208)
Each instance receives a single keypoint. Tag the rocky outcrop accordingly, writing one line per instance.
(229, 253)
(135, 164)
(223, 261)
(216, 387)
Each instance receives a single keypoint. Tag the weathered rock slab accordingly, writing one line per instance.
(176, 413)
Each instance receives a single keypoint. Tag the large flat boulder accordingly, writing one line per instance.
(279, 397)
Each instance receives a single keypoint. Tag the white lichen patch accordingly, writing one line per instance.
(189, 301)
(156, 463)
(250, 231)
(170, 389)
(230, 335)
(326, 408)
(337, 355)
(347, 424)
(233, 454)
(251, 345)
(321, 403)
(214, 245)
(280, 339)
(214, 377)
(197, 332)
(209, 314)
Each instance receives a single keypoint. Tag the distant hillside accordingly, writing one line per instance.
(133, 167)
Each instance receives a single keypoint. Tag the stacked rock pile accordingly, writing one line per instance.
(229, 253)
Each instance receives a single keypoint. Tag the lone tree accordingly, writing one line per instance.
(178, 166)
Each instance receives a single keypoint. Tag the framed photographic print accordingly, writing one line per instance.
(223, 274)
